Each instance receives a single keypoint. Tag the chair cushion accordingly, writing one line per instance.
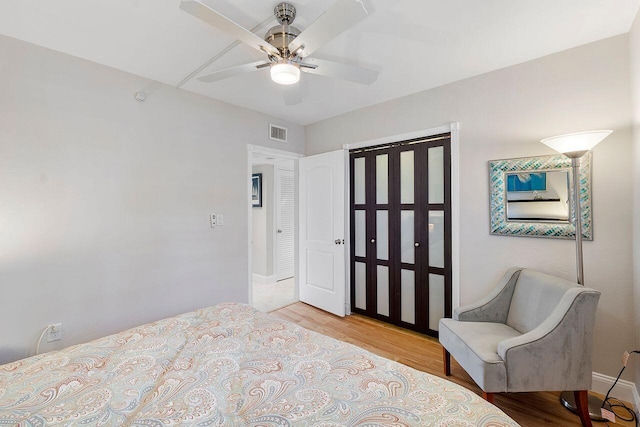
(475, 346)
(535, 296)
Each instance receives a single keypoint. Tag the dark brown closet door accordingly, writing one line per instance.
(401, 232)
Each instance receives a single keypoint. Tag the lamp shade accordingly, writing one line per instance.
(576, 144)
(285, 73)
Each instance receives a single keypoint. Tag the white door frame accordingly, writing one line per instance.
(251, 149)
(454, 128)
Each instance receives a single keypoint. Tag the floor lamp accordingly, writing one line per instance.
(574, 146)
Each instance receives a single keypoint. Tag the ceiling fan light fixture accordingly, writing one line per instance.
(285, 73)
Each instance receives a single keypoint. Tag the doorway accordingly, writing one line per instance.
(272, 229)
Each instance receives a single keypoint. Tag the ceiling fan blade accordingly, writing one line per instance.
(233, 71)
(212, 17)
(292, 94)
(341, 16)
(350, 73)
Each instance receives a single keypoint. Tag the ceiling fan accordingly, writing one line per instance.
(287, 48)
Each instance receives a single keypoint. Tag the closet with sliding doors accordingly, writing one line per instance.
(401, 232)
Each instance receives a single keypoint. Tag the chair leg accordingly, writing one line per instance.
(487, 396)
(446, 357)
(582, 406)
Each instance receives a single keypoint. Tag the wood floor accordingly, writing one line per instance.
(425, 353)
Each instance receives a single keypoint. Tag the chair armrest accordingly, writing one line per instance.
(495, 306)
(556, 355)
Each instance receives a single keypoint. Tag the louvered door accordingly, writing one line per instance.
(285, 222)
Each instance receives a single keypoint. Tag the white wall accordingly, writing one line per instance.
(262, 229)
(504, 114)
(105, 201)
(634, 50)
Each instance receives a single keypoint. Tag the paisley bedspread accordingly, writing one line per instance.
(229, 365)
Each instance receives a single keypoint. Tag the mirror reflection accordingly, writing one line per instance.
(537, 195)
(532, 196)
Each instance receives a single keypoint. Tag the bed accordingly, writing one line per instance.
(230, 365)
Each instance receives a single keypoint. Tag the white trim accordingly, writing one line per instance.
(347, 235)
(249, 226)
(454, 128)
(455, 214)
(624, 390)
(274, 215)
(280, 167)
(264, 280)
(274, 151)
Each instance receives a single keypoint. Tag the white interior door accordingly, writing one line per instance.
(322, 231)
(285, 224)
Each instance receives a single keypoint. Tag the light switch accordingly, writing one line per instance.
(220, 219)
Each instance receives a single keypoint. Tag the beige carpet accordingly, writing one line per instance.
(272, 296)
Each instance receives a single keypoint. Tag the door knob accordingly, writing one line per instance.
(338, 241)
(279, 231)
(373, 240)
(416, 244)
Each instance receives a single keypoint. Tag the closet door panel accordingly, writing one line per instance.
(359, 181)
(436, 175)
(382, 235)
(407, 177)
(436, 300)
(436, 239)
(360, 285)
(360, 225)
(407, 237)
(383, 290)
(408, 297)
(382, 179)
(400, 232)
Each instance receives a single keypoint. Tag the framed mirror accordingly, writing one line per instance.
(532, 196)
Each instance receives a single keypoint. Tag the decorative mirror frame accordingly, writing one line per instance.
(499, 223)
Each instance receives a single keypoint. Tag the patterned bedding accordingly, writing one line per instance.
(229, 365)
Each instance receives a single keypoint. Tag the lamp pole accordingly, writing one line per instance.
(567, 398)
(575, 165)
(574, 146)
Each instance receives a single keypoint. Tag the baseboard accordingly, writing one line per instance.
(624, 390)
(264, 280)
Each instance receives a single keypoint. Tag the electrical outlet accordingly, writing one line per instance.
(55, 332)
(214, 220)
(608, 415)
(625, 358)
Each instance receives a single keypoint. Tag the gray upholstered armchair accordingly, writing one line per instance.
(533, 332)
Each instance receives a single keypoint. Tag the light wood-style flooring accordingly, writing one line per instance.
(425, 353)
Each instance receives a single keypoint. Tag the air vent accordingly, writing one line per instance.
(277, 133)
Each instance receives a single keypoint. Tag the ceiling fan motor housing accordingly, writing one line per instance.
(285, 13)
(281, 35)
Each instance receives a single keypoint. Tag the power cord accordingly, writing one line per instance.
(42, 336)
(617, 403)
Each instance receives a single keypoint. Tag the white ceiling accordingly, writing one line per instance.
(414, 44)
